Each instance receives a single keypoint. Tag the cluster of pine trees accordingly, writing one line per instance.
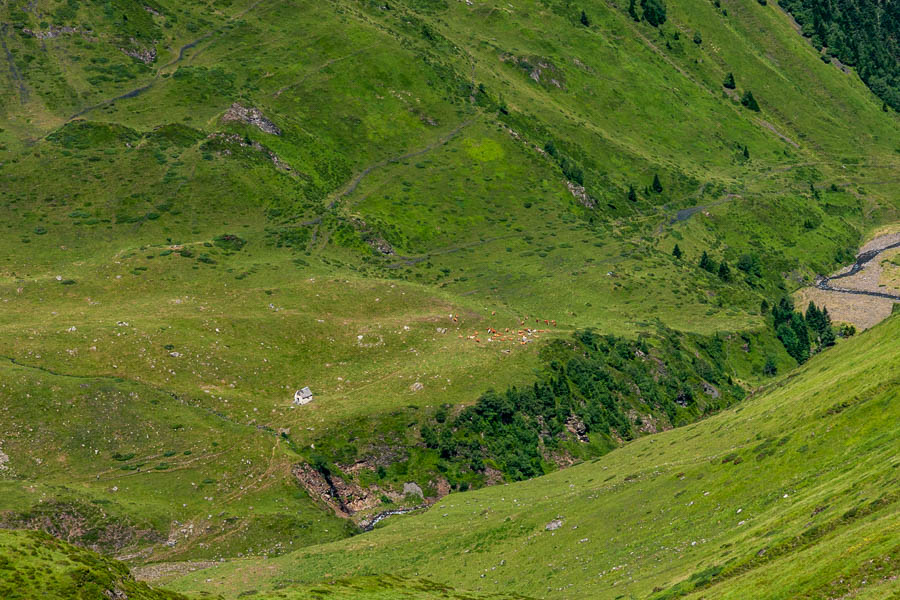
(590, 385)
(861, 33)
(798, 332)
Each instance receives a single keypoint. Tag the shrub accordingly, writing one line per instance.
(654, 11)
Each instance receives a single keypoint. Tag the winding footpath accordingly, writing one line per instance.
(140, 90)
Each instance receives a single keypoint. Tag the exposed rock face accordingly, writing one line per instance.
(86, 526)
(554, 525)
(577, 428)
(250, 116)
(710, 390)
(141, 53)
(580, 194)
(541, 70)
(374, 239)
(54, 31)
(233, 138)
(344, 498)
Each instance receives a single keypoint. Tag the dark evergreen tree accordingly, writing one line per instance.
(798, 325)
(729, 82)
(676, 252)
(814, 318)
(707, 264)
(770, 368)
(632, 195)
(697, 39)
(746, 152)
(763, 307)
(724, 271)
(782, 311)
(654, 11)
(657, 185)
(584, 19)
(749, 101)
(550, 148)
(632, 11)
(827, 337)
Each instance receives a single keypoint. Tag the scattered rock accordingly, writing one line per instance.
(250, 116)
(53, 32)
(577, 428)
(554, 525)
(580, 194)
(142, 53)
(710, 390)
(4, 459)
(412, 487)
(416, 387)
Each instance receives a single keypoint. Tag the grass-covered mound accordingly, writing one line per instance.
(36, 565)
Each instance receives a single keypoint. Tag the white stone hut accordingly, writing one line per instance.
(303, 396)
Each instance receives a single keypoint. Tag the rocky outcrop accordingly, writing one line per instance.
(142, 53)
(53, 32)
(222, 141)
(250, 116)
(342, 497)
(580, 194)
(577, 428)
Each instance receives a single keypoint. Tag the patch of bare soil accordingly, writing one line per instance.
(862, 311)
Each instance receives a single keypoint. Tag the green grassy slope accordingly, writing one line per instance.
(792, 494)
(409, 183)
(35, 565)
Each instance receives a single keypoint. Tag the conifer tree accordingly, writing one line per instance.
(632, 11)
(724, 271)
(749, 101)
(584, 19)
(729, 81)
(654, 12)
(676, 252)
(657, 186)
(706, 263)
(632, 195)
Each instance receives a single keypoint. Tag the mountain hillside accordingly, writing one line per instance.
(790, 495)
(494, 239)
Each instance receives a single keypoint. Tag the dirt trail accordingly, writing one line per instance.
(351, 187)
(14, 74)
(140, 90)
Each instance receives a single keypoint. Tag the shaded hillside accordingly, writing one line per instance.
(865, 35)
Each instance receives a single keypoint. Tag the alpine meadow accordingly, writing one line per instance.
(449, 299)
